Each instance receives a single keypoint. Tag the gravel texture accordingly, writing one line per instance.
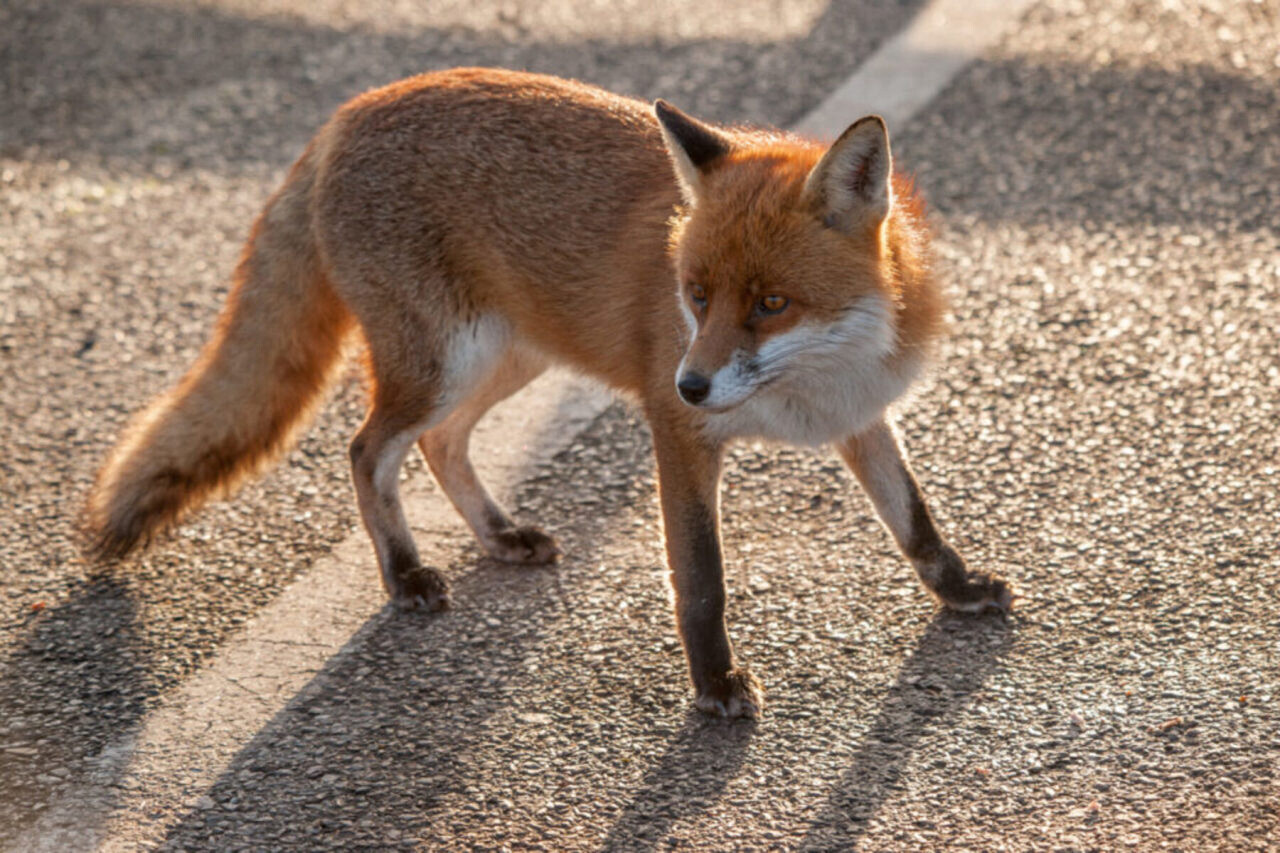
(1100, 428)
(137, 143)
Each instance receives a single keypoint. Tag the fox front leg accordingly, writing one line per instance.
(688, 482)
(876, 459)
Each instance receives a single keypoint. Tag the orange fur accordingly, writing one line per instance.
(478, 225)
(254, 385)
(425, 199)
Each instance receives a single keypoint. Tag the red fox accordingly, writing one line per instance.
(478, 225)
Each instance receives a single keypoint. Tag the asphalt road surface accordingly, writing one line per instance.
(1100, 428)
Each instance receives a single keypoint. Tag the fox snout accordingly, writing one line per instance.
(721, 387)
(717, 369)
(693, 387)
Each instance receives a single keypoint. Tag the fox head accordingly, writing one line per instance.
(794, 263)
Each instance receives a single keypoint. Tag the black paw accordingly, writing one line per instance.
(961, 589)
(734, 694)
(977, 592)
(421, 589)
(523, 545)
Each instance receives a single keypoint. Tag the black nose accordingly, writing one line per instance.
(693, 388)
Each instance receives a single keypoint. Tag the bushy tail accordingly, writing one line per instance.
(257, 381)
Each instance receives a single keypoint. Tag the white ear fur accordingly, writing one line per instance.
(693, 147)
(851, 186)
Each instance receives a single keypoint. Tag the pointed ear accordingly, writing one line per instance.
(851, 187)
(693, 146)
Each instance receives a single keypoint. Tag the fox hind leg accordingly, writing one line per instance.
(377, 454)
(421, 380)
(445, 447)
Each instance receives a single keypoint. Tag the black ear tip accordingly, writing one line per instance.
(868, 130)
(699, 142)
(871, 120)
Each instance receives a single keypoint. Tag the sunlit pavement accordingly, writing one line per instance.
(1100, 428)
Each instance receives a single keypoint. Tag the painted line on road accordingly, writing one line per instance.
(144, 782)
(911, 68)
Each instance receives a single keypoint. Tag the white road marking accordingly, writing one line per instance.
(179, 750)
(912, 67)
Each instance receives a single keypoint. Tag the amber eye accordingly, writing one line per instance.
(772, 304)
(698, 295)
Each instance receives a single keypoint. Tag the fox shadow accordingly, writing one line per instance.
(950, 664)
(947, 669)
(383, 745)
(81, 666)
(691, 775)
